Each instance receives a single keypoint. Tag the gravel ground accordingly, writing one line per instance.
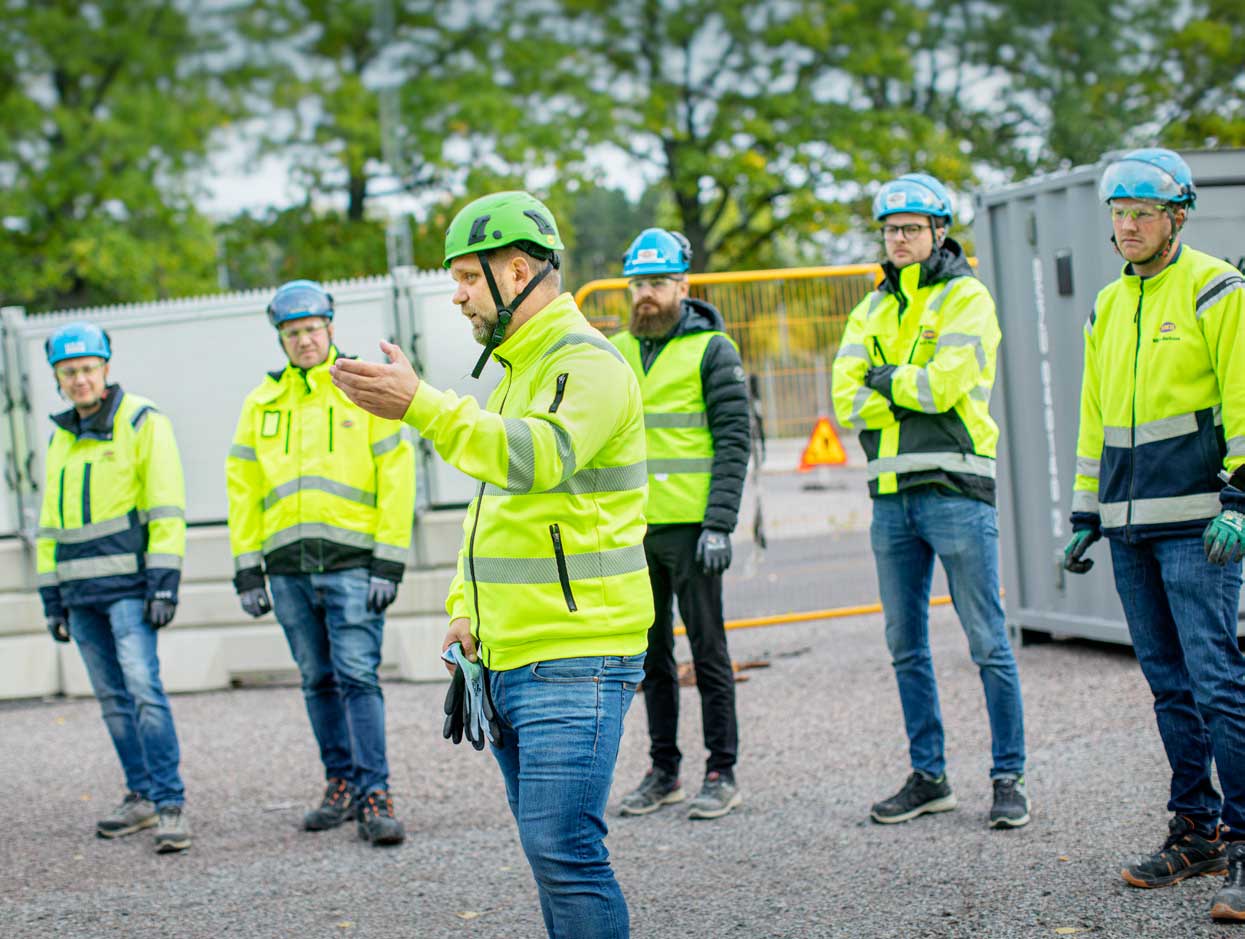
(821, 739)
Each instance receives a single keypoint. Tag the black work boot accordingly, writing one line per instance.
(1186, 853)
(920, 794)
(1229, 902)
(337, 806)
(376, 821)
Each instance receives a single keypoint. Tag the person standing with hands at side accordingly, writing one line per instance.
(322, 500)
(552, 594)
(697, 430)
(1162, 427)
(112, 535)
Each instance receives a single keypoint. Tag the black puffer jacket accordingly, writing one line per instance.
(723, 384)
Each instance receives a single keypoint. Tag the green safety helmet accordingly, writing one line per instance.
(514, 219)
(504, 218)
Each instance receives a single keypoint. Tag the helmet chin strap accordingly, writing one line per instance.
(505, 311)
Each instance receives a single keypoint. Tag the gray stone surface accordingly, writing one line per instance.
(821, 740)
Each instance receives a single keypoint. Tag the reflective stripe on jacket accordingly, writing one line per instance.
(552, 563)
(113, 521)
(1162, 399)
(934, 324)
(316, 483)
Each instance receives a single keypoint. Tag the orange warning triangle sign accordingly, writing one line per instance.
(823, 449)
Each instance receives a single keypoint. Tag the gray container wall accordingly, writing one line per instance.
(1026, 235)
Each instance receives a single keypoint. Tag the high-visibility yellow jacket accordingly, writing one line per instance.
(1162, 400)
(316, 483)
(552, 563)
(932, 333)
(696, 421)
(113, 523)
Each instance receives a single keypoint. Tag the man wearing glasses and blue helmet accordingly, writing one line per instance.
(913, 374)
(321, 501)
(1162, 429)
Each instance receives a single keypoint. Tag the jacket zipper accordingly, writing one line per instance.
(557, 395)
(564, 575)
(60, 501)
(330, 428)
(289, 419)
(1132, 442)
(86, 493)
(877, 348)
(475, 524)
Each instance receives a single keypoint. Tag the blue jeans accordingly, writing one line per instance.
(336, 644)
(908, 530)
(118, 647)
(561, 723)
(1181, 612)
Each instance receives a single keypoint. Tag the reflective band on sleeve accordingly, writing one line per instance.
(1203, 505)
(47, 579)
(924, 393)
(244, 561)
(963, 339)
(672, 419)
(860, 400)
(108, 565)
(320, 484)
(139, 419)
(592, 480)
(688, 465)
(566, 451)
(160, 511)
(388, 552)
(936, 301)
(875, 301)
(573, 339)
(85, 533)
(591, 566)
(969, 463)
(173, 561)
(521, 453)
(391, 442)
(1217, 289)
(1084, 501)
(1236, 446)
(1087, 467)
(853, 350)
(980, 394)
(305, 531)
(239, 452)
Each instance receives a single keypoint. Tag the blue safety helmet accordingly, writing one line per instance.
(299, 299)
(657, 251)
(1153, 173)
(75, 341)
(913, 192)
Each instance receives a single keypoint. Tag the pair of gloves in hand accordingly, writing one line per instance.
(380, 593)
(468, 708)
(1223, 541)
(158, 610)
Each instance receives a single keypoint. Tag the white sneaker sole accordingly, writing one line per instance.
(736, 801)
(945, 804)
(673, 797)
(149, 822)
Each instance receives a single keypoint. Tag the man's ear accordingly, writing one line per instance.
(521, 270)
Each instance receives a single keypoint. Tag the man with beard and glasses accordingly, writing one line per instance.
(551, 599)
(913, 374)
(1162, 426)
(696, 425)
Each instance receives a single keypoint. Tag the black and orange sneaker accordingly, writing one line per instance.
(1229, 902)
(376, 820)
(337, 806)
(1186, 853)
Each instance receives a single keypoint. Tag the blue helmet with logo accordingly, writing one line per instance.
(1153, 173)
(77, 340)
(299, 299)
(657, 251)
(914, 192)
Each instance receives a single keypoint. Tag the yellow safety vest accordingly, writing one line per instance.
(1162, 398)
(113, 523)
(676, 428)
(315, 482)
(552, 564)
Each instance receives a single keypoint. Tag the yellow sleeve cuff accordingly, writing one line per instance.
(423, 407)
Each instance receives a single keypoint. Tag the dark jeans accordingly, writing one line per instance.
(336, 643)
(1181, 612)
(908, 530)
(118, 647)
(673, 572)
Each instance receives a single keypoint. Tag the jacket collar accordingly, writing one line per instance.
(99, 425)
(1134, 280)
(942, 265)
(522, 350)
(312, 377)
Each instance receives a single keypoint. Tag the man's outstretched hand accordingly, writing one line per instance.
(384, 389)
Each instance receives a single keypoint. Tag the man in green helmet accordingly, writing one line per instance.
(552, 593)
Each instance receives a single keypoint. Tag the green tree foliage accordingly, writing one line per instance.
(105, 107)
(1205, 88)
